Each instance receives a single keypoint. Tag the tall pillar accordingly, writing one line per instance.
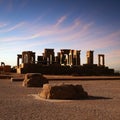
(61, 57)
(67, 58)
(58, 57)
(89, 56)
(101, 60)
(98, 60)
(77, 57)
(18, 59)
(48, 61)
(71, 57)
(33, 58)
(51, 59)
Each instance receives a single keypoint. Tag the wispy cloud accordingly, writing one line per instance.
(106, 41)
(60, 34)
(3, 25)
(9, 29)
(78, 31)
(61, 20)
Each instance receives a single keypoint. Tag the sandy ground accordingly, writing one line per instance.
(21, 103)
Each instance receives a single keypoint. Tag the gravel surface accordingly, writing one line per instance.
(21, 103)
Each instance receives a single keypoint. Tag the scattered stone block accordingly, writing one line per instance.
(34, 80)
(64, 92)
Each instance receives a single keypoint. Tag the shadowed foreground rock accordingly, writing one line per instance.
(34, 80)
(65, 92)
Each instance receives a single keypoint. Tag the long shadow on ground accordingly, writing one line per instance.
(97, 98)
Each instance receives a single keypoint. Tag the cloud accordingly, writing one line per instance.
(76, 35)
(75, 31)
(78, 32)
(9, 29)
(2, 25)
(106, 41)
(61, 20)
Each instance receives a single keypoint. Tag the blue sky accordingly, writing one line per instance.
(74, 24)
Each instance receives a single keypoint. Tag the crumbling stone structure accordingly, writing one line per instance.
(5, 68)
(48, 56)
(67, 61)
(89, 56)
(2, 64)
(65, 57)
(27, 57)
(69, 57)
(18, 59)
(101, 60)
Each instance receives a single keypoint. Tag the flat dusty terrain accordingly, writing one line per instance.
(21, 103)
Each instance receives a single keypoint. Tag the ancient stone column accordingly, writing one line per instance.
(28, 57)
(51, 61)
(67, 58)
(71, 58)
(61, 57)
(101, 60)
(18, 59)
(58, 57)
(89, 56)
(78, 57)
(48, 61)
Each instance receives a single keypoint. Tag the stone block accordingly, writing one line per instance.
(65, 92)
(34, 80)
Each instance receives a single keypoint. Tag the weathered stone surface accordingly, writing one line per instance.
(34, 80)
(63, 92)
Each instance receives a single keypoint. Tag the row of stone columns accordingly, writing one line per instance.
(26, 57)
(65, 57)
(48, 56)
(90, 61)
(69, 57)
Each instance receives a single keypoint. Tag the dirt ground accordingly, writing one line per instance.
(21, 103)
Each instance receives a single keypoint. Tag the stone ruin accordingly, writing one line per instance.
(67, 61)
(34, 80)
(63, 92)
(5, 68)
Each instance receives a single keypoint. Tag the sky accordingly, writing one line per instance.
(33, 25)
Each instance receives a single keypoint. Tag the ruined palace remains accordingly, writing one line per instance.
(67, 61)
(5, 68)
